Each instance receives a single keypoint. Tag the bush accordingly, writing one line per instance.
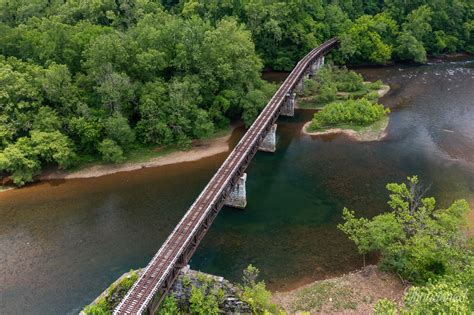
(385, 307)
(327, 93)
(202, 303)
(348, 81)
(184, 143)
(100, 308)
(118, 130)
(434, 298)
(311, 87)
(169, 307)
(128, 282)
(255, 293)
(438, 298)
(377, 85)
(360, 112)
(110, 151)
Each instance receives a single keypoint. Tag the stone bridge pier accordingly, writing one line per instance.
(310, 71)
(288, 107)
(238, 196)
(269, 142)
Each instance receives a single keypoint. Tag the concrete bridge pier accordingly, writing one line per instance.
(269, 142)
(238, 196)
(288, 107)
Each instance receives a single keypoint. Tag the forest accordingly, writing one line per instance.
(87, 80)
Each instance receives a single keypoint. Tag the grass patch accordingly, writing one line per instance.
(336, 295)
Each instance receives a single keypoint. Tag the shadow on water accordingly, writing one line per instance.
(63, 242)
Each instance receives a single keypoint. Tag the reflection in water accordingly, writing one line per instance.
(62, 243)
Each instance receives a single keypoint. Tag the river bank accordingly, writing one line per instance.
(374, 132)
(200, 149)
(352, 293)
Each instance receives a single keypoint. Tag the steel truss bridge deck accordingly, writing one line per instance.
(157, 278)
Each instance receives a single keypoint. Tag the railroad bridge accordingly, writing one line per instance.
(227, 187)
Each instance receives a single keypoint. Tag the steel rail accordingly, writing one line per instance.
(157, 277)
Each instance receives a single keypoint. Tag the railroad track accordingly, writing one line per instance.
(157, 278)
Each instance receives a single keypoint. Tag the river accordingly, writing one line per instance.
(63, 242)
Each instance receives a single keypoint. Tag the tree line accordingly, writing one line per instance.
(90, 81)
(85, 79)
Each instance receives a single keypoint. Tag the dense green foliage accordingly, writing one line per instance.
(100, 78)
(423, 244)
(371, 31)
(353, 112)
(416, 240)
(333, 83)
(434, 298)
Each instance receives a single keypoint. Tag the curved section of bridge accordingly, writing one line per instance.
(156, 280)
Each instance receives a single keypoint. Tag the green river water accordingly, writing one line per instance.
(63, 242)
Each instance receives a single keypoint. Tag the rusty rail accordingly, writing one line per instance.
(157, 278)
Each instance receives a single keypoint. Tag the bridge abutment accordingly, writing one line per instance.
(288, 107)
(269, 142)
(238, 196)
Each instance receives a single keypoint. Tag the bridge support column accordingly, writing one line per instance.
(238, 196)
(288, 107)
(269, 142)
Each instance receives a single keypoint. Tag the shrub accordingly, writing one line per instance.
(372, 96)
(434, 298)
(385, 307)
(348, 81)
(118, 129)
(377, 85)
(327, 93)
(201, 303)
(438, 298)
(110, 151)
(311, 87)
(169, 307)
(255, 293)
(128, 282)
(360, 112)
(184, 142)
(100, 308)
